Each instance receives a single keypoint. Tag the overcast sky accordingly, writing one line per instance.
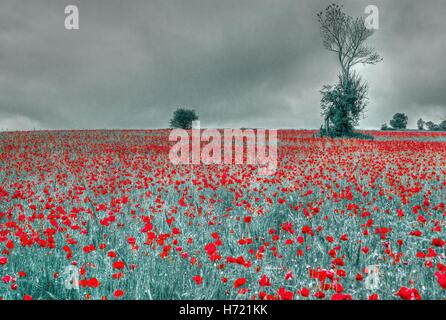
(239, 63)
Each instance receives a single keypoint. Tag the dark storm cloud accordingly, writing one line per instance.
(237, 62)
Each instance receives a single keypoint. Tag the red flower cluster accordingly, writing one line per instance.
(111, 205)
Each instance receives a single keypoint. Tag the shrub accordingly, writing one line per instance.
(182, 118)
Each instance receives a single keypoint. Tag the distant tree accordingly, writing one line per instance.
(399, 121)
(432, 126)
(420, 124)
(384, 127)
(343, 103)
(182, 118)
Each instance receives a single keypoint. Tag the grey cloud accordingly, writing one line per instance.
(237, 62)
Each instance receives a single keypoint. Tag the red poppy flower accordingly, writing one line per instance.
(438, 242)
(365, 250)
(304, 292)
(408, 294)
(416, 233)
(210, 248)
(10, 245)
(239, 282)
(7, 279)
(338, 262)
(441, 277)
(118, 275)
(198, 280)
(307, 230)
(83, 283)
(181, 202)
(421, 219)
(118, 293)
(243, 291)
(265, 281)
(340, 296)
(285, 294)
(118, 265)
(319, 295)
(93, 283)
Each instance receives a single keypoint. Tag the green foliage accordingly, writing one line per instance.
(399, 121)
(432, 126)
(343, 104)
(436, 127)
(182, 118)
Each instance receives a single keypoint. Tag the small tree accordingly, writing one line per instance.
(182, 118)
(384, 127)
(420, 124)
(442, 125)
(399, 121)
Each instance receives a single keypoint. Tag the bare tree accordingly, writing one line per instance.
(346, 36)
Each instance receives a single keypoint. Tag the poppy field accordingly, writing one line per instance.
(105, 215)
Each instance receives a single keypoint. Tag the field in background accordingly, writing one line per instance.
(340, 219)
